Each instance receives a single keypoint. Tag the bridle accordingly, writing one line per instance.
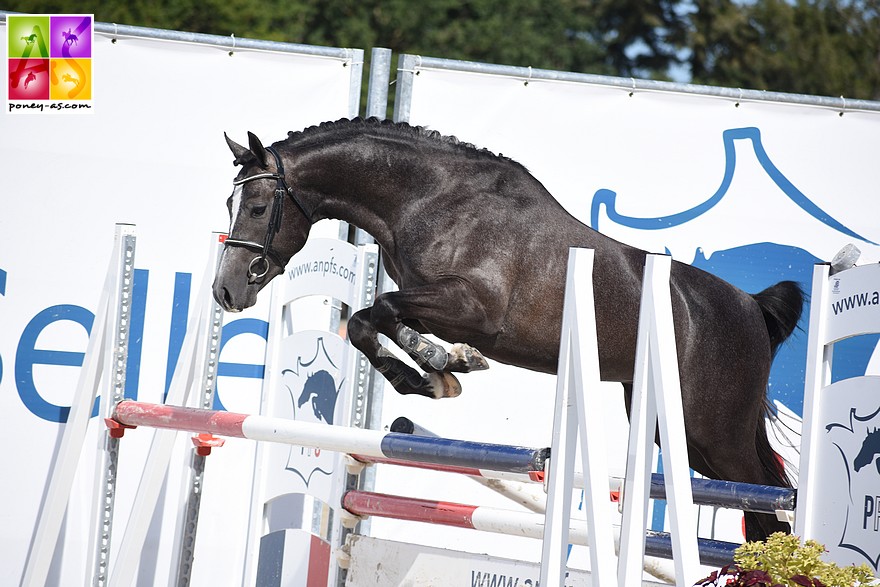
(259, 265)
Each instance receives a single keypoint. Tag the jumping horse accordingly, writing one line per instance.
(478, 248)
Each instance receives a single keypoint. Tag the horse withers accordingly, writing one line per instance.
(478, 248)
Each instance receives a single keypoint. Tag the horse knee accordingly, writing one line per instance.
(361, 331)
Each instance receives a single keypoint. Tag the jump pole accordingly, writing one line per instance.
(747, 497)
(371, 443)
(516, 523)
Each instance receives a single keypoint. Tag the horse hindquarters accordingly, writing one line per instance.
(725, 349)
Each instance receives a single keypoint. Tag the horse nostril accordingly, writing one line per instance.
(227, 299)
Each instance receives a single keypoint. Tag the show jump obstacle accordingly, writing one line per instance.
(851, 537)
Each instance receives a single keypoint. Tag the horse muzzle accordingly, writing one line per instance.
(235, 300)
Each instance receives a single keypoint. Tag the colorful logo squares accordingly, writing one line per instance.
(49, 57)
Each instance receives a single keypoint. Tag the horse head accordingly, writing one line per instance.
(870, 449)
(259, 243)
(321, 390)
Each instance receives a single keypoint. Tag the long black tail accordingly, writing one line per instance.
(781, 305)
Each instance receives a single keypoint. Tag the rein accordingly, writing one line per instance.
(259, 265)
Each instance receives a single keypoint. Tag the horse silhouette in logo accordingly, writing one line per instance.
(870, 449)
(31, 39)
(321, 390)
(70, 38)
(70, 79)
(30, 78)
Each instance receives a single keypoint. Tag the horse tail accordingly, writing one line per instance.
(781, 306)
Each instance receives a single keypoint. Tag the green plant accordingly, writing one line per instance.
(781, 561)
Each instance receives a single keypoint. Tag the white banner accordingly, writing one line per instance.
(150, 152)
(753, 191)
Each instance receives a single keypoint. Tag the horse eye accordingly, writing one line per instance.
(258, 211)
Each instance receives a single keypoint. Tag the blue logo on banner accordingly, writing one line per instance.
(312, 383)
(859, 447)
(756, 266)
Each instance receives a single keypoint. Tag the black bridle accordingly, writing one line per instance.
(259, 265)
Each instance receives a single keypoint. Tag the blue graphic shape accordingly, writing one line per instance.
(753, 268)
(869, 451)
(2, 283)
(757, 266)
(321, 390)
(609, 197)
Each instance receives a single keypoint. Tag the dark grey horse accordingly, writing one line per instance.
(478, 248)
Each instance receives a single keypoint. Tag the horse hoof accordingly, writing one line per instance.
(443, 385)
(463, 358)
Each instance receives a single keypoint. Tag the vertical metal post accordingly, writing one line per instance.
(64, 467)
(406, 69)
(190, 522)
(108, 456)
(366, 406)
(377, 87)
(355, 60)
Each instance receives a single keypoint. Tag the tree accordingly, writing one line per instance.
(824, 47)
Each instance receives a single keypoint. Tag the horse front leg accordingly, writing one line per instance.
(448, 304)
(430, 356)
(406, 380)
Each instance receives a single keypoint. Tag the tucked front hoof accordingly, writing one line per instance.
(463, 358)
(443, 385)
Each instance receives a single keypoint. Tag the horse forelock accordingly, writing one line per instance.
(351, 127)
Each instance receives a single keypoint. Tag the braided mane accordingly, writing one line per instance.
(345, 127)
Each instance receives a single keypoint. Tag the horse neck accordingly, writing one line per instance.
(370, 182)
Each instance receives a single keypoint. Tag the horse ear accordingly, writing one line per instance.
(241, 153)
(257, 149)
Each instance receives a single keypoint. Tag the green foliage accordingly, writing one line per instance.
(781, 561)
(824, 47)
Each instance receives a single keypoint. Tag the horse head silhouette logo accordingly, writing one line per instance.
(870, 449)
(853, 442)
(321, 390)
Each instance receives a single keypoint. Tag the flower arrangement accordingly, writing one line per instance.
(781, 561)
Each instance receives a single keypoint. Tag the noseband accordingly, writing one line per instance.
(259, 265)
